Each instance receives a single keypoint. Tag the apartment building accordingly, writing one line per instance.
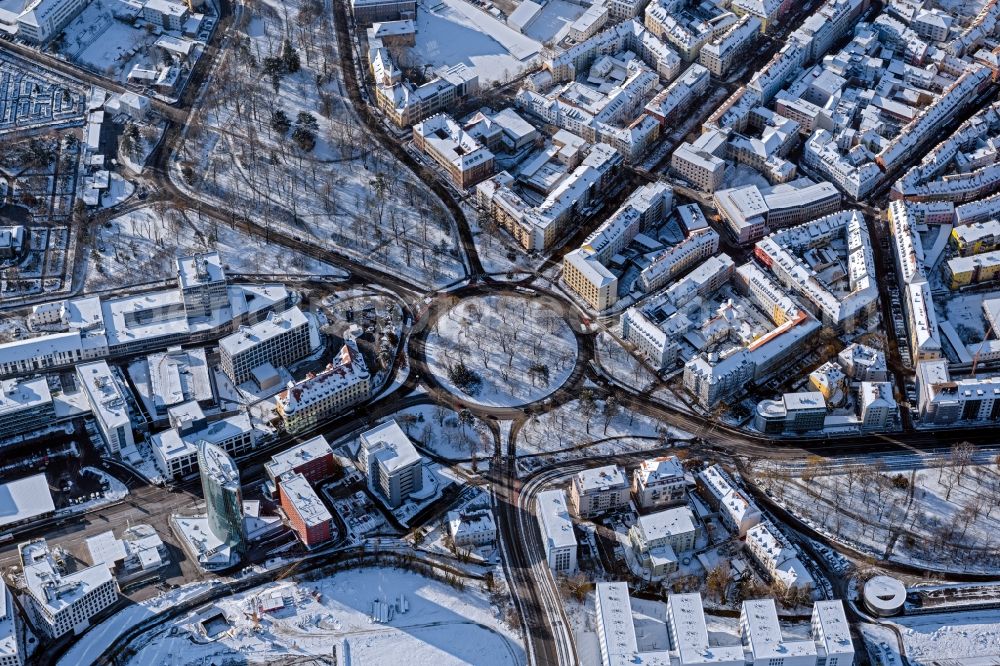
(698, 246)
(343, 384)
(671, 103)
(656, 326)
(25, 405)
(304, 510)
(391, 463)
(943, 400)
(863, 363)
(689, 635)
(776, 558)
(405, 104)
(41, 20)
(278, 341)
(832, 634)
(599, 490)
(462, 156)
(760, 633)
(165, 14)
(558, 538)
(726, 50)
(58, 602)
(877, 406)
(700, 163)
(765, 11)
(584, 269)
(657, 538)
(736, 512)
(659, 483)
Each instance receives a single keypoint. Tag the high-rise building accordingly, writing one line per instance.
(220, 484)
(391, 462)
(11, 644)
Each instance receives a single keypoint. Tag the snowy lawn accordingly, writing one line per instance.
(501, 350)
(142, 245)
(288, 152)
(442, 625)
(951, 523)
(950, 636)
(439, 429)
(580, 423)
(621, 365)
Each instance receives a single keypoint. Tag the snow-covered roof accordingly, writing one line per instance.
(307, 451)
(557, 527)
(834, 634)
(106, 548)
(52, 589)
(304, 499)
(105, 395)
(179, 375)
(393, 448)
(10, 643)
(598, 478)
(660, 469)
(763, 633)
(25, 498)
(20, 394)
(668, 523)
(251, 336)
(686, 616)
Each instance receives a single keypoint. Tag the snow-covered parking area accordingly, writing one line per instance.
(501, 350)
(441, 625)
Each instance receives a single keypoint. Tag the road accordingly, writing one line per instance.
(536, 594)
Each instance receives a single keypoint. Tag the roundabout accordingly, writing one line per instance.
(501, 349)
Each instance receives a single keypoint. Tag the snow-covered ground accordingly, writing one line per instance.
(620, 364)
(344, 193)
(566, 427)
(939, 637)
(141, 246)
(501, 338)
(442, 625)
(438, 428)
(950, 524)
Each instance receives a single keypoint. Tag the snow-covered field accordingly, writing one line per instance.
(501, 339)
(338, 191)
(455, 31)
(620, 364)
(438, 429)
(566, 427)
(442, 625)
(951, 637)
(951, 523)
(141, 246)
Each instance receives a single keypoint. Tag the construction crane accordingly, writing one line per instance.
(975, 359)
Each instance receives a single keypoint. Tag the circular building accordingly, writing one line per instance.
(884, 596)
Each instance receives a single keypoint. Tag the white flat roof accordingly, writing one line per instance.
(40, 572)
(309, 450)
(20, 394)
(304, 499)
(105, 548)
(177, 376)
(403, 452)
(106, 396)
(556, 525)
(275, 325)
(609, 476)
(764, 632)
(679, 520)
(25, 498)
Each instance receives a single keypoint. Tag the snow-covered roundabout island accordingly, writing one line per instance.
(501, 350)
(372, 615)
